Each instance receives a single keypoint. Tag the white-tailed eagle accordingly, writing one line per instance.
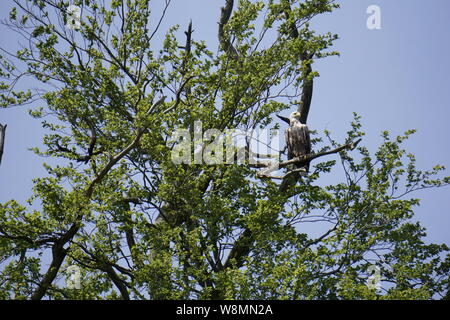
(297, 139)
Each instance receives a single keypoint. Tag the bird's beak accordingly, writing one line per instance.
(284, 119)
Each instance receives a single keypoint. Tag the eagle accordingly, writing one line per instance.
(297, 138)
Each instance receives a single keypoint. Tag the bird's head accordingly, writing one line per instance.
(295, 115)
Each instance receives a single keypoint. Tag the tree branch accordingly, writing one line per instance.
(2, 140)
(225, 16)
(178, 95)
(58, 250)
(301, 160)
(119, 283)
(240, 250)
(307, 90)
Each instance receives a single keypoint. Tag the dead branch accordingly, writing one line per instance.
(225, 16)
(308, 83)
(188, 49)
(2, 140)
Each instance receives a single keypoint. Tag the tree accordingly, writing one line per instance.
(136, 225)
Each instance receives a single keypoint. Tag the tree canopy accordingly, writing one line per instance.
(111, 89)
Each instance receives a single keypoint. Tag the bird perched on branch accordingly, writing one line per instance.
(297, 138)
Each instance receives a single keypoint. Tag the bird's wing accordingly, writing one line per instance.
(287, 139)
(306, 138)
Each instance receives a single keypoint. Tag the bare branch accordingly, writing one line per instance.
(225, 16)
(2, 140)
(307, 90)
(58, 255)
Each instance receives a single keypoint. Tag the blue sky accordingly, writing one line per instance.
(397, 78)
